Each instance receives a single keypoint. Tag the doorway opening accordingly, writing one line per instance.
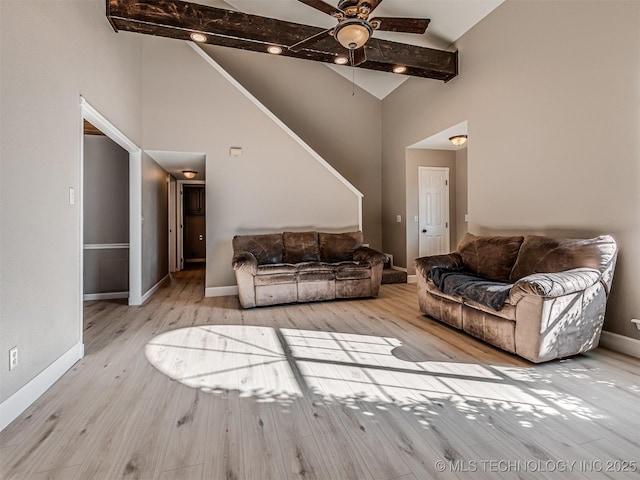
(105, 203)
(192, 241)
(95, 118)
(436, 203)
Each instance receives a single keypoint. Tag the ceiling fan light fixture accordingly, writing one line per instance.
(341, 60)
(189, 174)
(399, 69)
(198, 37)
(458, 140)
(274, 49)
(353, 34)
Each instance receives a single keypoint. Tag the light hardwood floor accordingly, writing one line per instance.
(187, 387)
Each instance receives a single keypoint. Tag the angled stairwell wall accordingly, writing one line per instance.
(190, 104)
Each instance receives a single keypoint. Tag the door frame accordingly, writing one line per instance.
(89, 113)
(446, 206)
(180, 211)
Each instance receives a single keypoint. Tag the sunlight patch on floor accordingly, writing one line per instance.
(273, 364)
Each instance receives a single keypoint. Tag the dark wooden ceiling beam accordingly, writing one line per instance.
(227, 28)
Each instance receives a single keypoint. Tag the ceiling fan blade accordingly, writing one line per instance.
(397, 24)
(359, 57)
(323, 7)
(371, 3)
(296, 47)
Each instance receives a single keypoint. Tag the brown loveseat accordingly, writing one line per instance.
(554, 292)
(294, 267)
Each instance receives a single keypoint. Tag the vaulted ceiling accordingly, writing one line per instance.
(257, 24)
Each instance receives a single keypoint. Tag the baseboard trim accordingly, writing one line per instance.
(17, 403)
(153, 289)
(104, 296)
(412, 279)
(620, 343)
(220, 291)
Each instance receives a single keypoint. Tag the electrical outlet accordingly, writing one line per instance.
(13, 358)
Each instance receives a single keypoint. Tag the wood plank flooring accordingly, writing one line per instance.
(187, 387)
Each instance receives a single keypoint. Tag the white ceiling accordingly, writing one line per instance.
(450, 19)
(175, 162)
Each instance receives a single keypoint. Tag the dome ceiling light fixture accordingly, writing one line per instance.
(189, 174)
(274, 49)
(458, 140)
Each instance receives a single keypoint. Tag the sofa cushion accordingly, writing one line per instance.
(353, 272)
(489, 257)
(316, 276)
(279, 278)
(315, 267)
(301, 247)
(267, 248)
(540, 254)
(337, 247)
(276, 268)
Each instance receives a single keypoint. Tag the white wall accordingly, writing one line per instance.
(275, 185)
(550, 92)
(52, 52)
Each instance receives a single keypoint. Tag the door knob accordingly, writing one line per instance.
(424, 230)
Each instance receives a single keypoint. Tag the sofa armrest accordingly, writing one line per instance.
(552, 285)
(245, 262)
(366, 254)
(424, 264)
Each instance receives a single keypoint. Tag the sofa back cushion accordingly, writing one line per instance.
(338, 247)
(301, 247)
(489, 257)
(267, 248)
(540, 254)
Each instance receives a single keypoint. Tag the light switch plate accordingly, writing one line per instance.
(235, 151)
(399, 218)
(72, 196)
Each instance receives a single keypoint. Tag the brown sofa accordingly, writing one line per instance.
(555, 292)
(294, 267)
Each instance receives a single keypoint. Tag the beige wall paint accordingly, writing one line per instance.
(52, 52)
(317, 104)
(275, 184)
(155, 226)
(550, 92)
(425, 158)
(461, 195)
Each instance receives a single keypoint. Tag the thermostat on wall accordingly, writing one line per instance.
(235, 151)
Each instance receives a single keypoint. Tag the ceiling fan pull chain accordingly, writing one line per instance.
(353, 73)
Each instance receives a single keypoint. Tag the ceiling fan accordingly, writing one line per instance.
(354, 27)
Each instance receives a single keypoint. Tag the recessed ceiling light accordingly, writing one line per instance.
(274, 49)
(399, 69)
(341, 60)
(198, 37)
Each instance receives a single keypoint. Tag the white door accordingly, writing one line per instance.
(434, 210)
